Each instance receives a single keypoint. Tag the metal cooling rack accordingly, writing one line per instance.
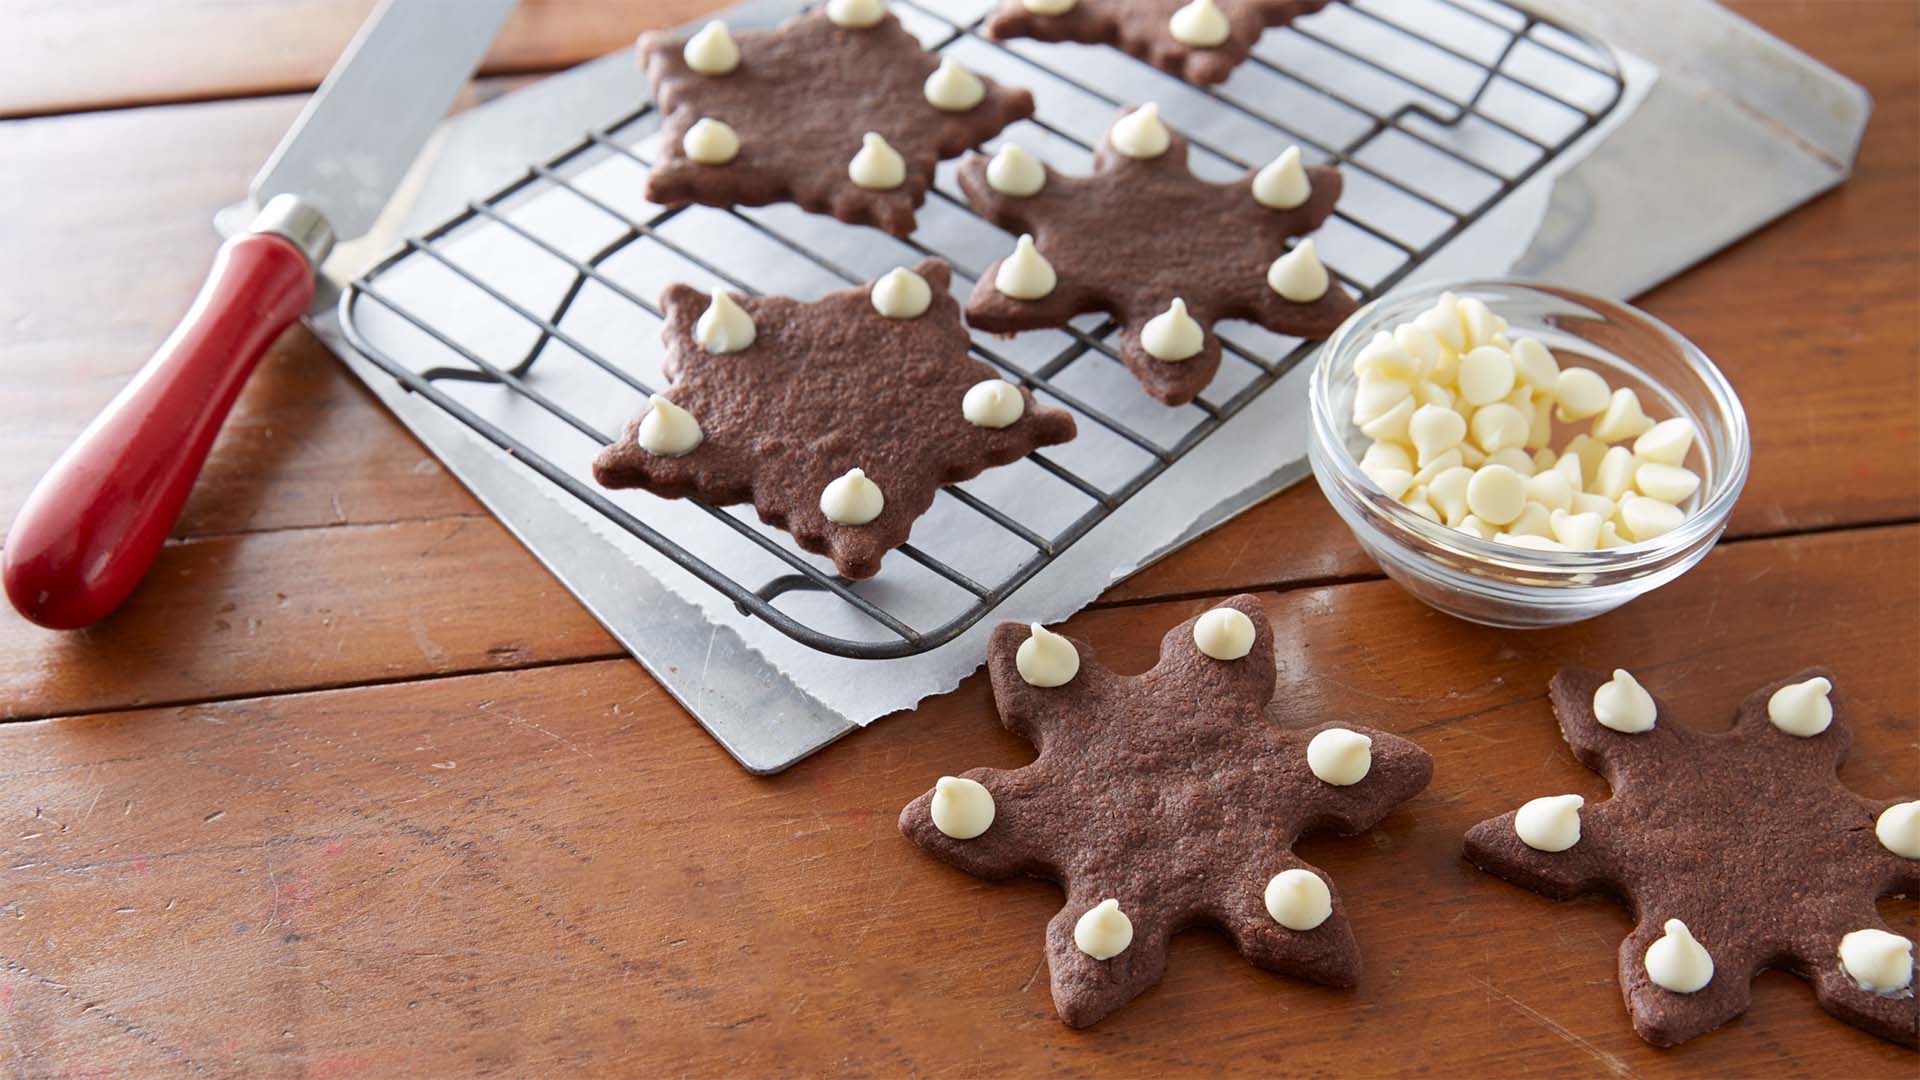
(1510, 94)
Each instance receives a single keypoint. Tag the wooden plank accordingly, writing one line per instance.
(261, 613)
(516, 873)
(64, 57)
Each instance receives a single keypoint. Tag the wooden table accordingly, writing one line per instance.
(353, 788)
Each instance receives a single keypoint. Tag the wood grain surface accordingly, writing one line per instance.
(353, 788)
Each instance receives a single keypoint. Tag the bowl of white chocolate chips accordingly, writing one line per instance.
(1521, 454)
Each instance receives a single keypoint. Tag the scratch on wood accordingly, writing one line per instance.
(1614, 1064)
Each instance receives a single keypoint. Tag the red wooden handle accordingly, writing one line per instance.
(94, 523)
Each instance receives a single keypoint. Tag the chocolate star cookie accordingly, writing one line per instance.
(1201, 41)
(1164, 251)
(1737, 851)
(841, 119)
(838, 419)
(1163, 800)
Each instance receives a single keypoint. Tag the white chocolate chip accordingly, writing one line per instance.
(1435, 431)
(1481, 325)
(711, 51)
(1623, 418)
(1665, 443)
(1584, 503)
(1677, 962)
(1385, 356)
(1580, 393)
(1394, 482)
(961, 808)
(1382, 455)
(1283, 184)
(1624, 705)
(852, 499)
(1015, 172)
(1475, 527)
(1569, 467)
(1550, 823)
(1498, 427)
(1443, 320)
(1299, 275)
(1576, 532)
(1898, 828)
(952, 88)
(1046, 659)
(1645, 518)
(1614, 477)
(993, 403)
(1513, 458)
(1609, 537)
(1446, 462)
(710, 142)
(1392, 425)
(1668, 483)
(1496, 495)
(725, 327)
(1802, 708)
(901, 294)
(855, 14)
(1422, 343)
(1173, 335)
(1224, 633)
(1879, 962)
(1199, 25)
(1416, 501)
(1104, 932)
(1049, 7)
(1534, 364)
(1543, 459)
(1025, 275)
(1486, 375)
(1140, 134)
(1448, 493)
(1298, 899)
(1432, 393)
(877, 166)
(1340, 757)
(1551, 490)
(1588, 450)
(1375, 393)
(1535, 521)
(667, 429)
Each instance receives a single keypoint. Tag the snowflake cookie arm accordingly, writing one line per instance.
(1005, 849)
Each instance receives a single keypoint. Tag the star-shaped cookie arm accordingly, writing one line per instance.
(716, 478)
(1037, 713)
(1326, 954)
(1241, 686)
(1897, 875)
(1667, 1018)
(1892, 1016)
(1007, 849)
(1600, 748)
(1494, 846)
(1399, 771)
(1086, 990)
(1819, 754)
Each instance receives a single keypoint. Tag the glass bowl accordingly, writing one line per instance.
(1499, 584)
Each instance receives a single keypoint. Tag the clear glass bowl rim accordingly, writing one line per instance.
(1568, 568)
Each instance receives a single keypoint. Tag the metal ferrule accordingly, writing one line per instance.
(299, 222)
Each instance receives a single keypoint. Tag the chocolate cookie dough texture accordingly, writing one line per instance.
(1166, 253)
(838, 419)
(1163, 800)
(1201, 41)
(839, 110)
(1737, 851)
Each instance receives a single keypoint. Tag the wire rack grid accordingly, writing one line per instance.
(1479, 97)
